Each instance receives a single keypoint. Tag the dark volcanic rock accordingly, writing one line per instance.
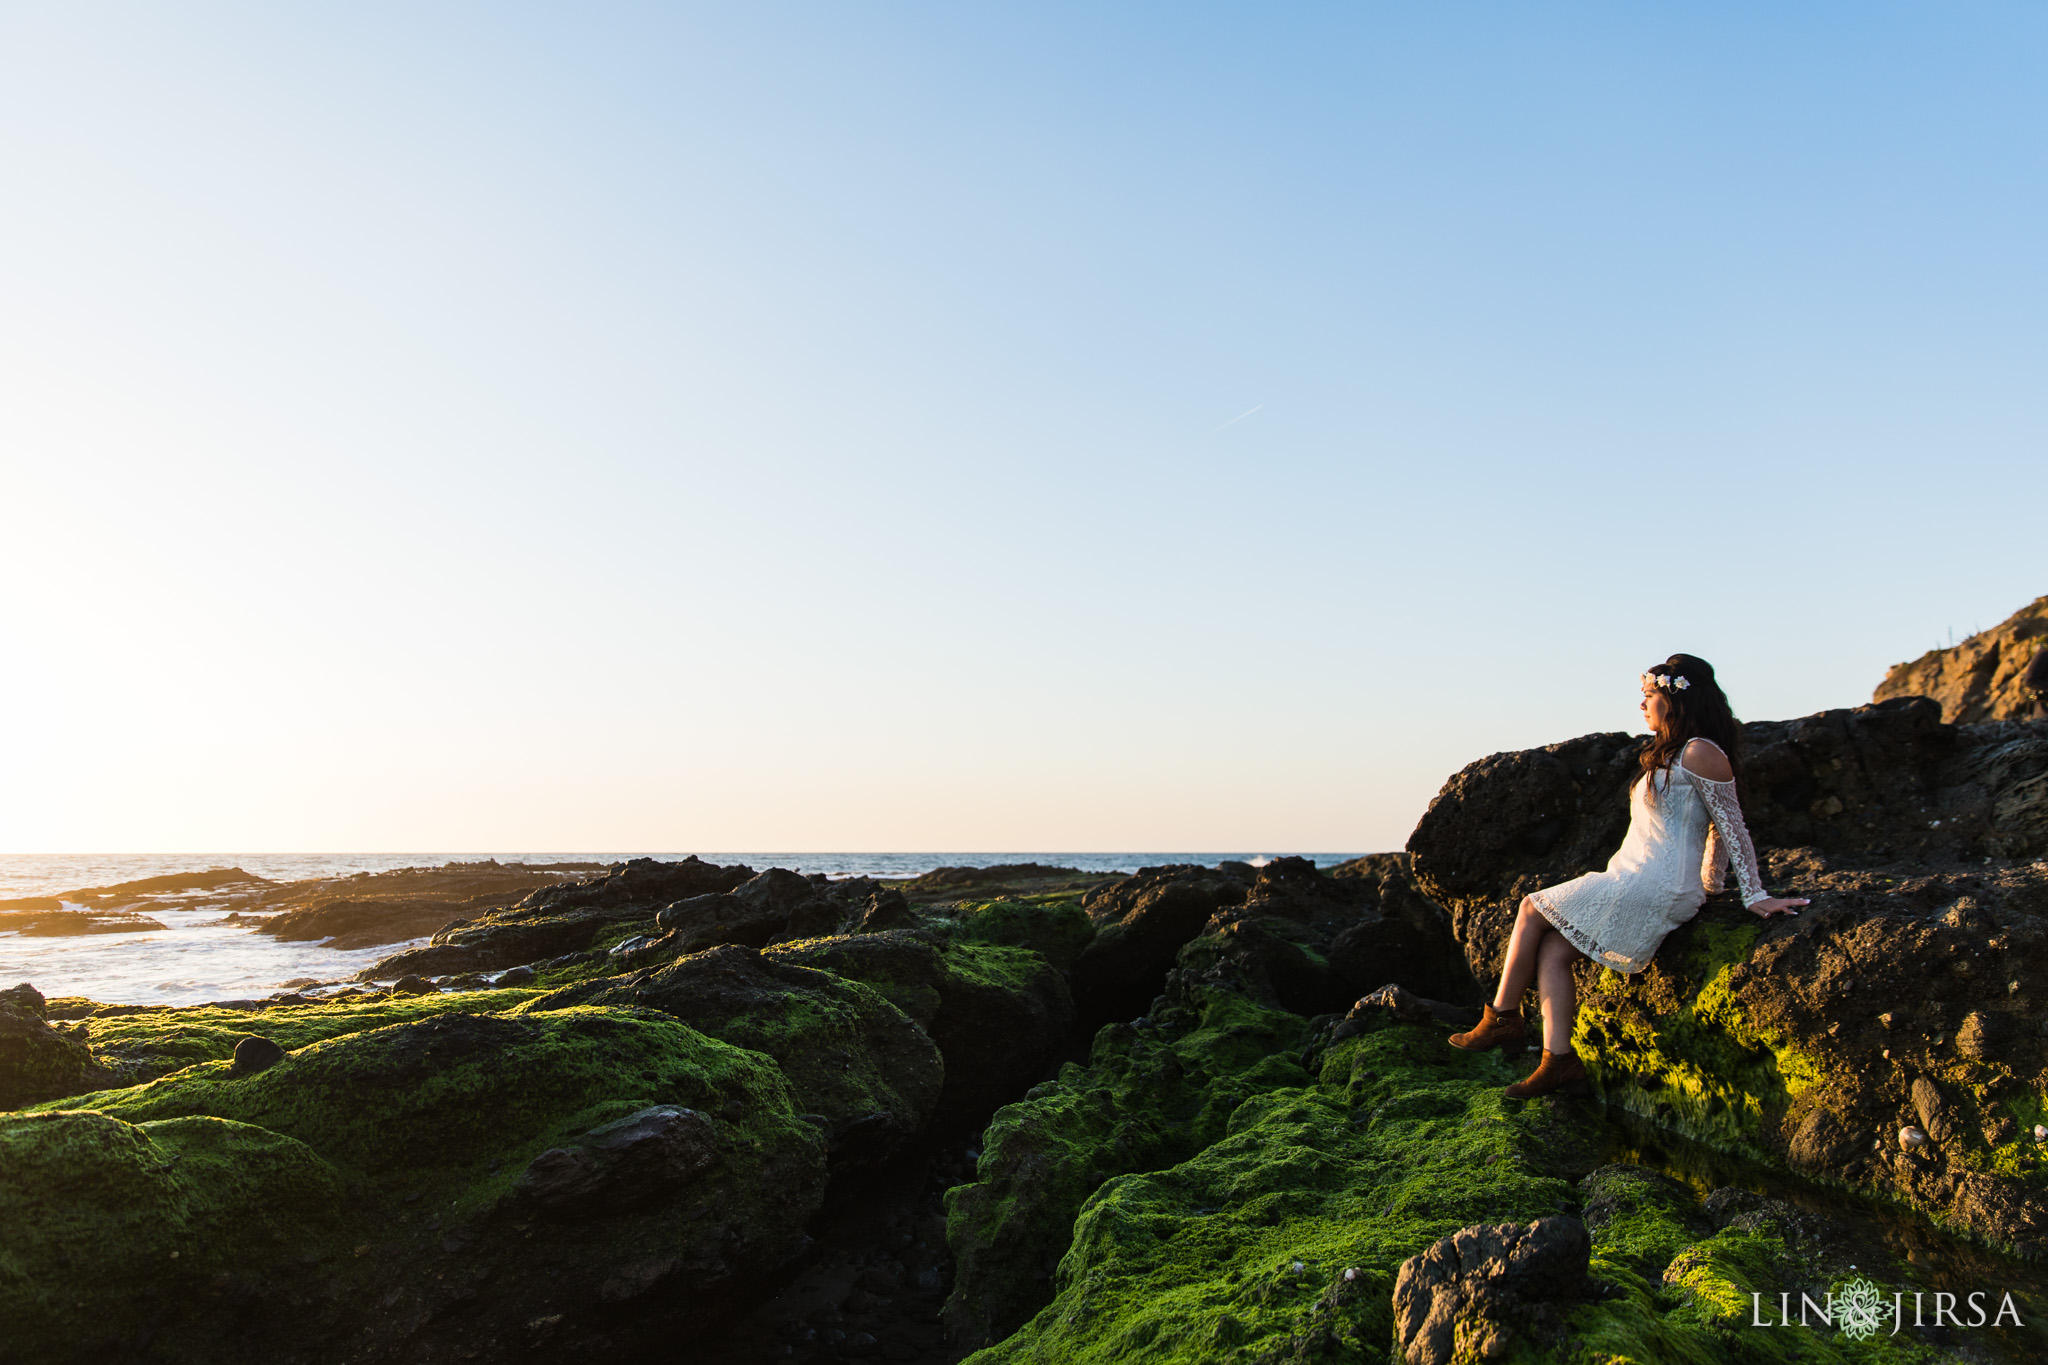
(1004, 1014)
(1141, 922)
(1474, 1293)
(563, 919)
(256, 1054)
(998, 1014)
(958, 881)
(885, 910)
(1312, 943)
(621, 1163)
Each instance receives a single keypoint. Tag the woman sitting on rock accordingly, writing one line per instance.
(1684, 828)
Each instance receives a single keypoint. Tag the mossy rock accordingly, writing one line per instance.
(434, 1245)
(113, 1226)
(1280, 1240)
(903, 966)
(1004, 1014)
(1146, 1101)
(36, 1061)
(1054, 927)
(150, 1043)
(861, 1065)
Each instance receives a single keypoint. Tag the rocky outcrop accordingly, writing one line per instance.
(46, 917)
(1486, 1289)
(1979, 679)
(1804, 1042)
(563, 919)
(370, 908)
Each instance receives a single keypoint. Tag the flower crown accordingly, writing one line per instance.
(1667, 682)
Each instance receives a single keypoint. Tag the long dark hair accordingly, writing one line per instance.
(1699, 710)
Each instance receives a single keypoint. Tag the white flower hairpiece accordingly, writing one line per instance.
(1666, 681)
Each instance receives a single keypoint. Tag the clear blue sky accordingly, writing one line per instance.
(978, 427)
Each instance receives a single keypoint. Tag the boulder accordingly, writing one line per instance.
(36, 1061)
(254, 1054)
(1473, 1294)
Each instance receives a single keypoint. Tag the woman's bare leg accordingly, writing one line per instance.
(1525, 947)
(1559, 992)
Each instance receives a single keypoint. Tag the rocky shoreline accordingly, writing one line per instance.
(682, 1111)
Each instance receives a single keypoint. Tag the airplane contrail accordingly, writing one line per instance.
(1241, 416)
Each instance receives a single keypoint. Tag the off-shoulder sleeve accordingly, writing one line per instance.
(1732, 836)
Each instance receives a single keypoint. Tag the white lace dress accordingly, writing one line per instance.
(1675, 853)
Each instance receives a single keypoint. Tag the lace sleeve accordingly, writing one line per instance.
(1714, 866)
(1732, 836)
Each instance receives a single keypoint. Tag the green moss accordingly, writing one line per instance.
(107, 1221)
(1146, 1100)
(454, 1089)
(1701, 1067)
(171, 1038)
(1004, 969)
(1240, 1253)
(323, 1198)
(845, 1050)
(901, 965)
(1055, 927)
(1403, 1141)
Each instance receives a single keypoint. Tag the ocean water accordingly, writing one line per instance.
(199, 956)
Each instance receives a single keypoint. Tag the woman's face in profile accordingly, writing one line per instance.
(1654, 707)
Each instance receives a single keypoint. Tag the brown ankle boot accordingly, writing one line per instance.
(1557, 1071)
(1505, 1031)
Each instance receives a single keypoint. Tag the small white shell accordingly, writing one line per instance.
(2041, 1132)
(1351, 1272)
(1911, 1138)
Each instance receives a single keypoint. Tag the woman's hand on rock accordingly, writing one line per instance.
(1777, 906)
